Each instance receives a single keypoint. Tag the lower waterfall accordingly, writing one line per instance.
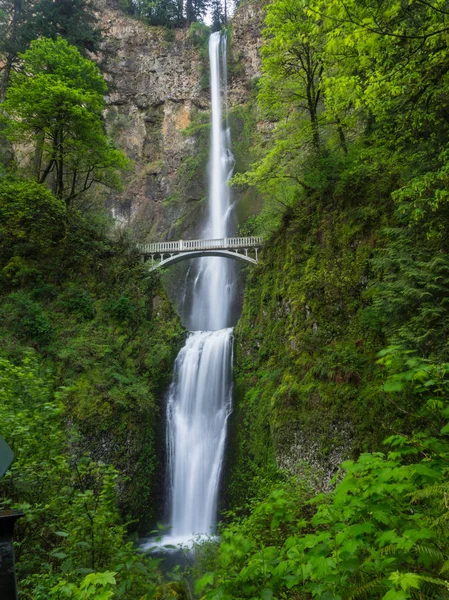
(198, 408)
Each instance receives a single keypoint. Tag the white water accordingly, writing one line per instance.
(199, 400)
(216, 276)
(198, 408)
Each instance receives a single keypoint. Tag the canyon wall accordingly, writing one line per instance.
(158, 112)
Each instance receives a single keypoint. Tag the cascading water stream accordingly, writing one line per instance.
(198, 408)
(199, 401)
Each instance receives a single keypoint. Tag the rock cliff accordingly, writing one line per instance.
(158, 87)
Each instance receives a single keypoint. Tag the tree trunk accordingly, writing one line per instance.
(11, 46)
(55, 177)
(190, 13)
(341, 135)
(61, 164)
(311, 105)
(37, 163)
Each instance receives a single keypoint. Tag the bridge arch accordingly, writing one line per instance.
(176, 258)
(235, 248)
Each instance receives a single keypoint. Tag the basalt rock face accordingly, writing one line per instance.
(158, 86)
(247, 25)
(154, 88)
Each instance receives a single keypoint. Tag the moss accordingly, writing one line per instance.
(108, 334)
(308, 389)
(193, 171)
(199, 36)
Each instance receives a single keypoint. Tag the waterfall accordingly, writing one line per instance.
(198, 408)
(199, 399)
(215, 288)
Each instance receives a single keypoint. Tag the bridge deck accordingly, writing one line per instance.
(231, 243)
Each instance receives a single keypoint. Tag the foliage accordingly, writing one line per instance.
(380, 533)
(173, 13)
(159, 12)
(88, 341)
(55, 103)
(32, 220)
(23, 21)
(350, 156)
(351, 160)
(71, 523)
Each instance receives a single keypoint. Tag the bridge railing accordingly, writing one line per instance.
(192, 245)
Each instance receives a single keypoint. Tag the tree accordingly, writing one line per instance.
(291, 95)
(169, 13)
(292, 63)
(392, 65)
(56, 103)
(22, 21)
(32, 220)
(160, 12)
(195, 10)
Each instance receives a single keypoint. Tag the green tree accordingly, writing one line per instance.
(32, 220)
(22, 21)
(168, 13)
(292, 64)
(392, 66)
(160, 12)
(195, 10)
(56, 103)
(217, 15)
(291, 97)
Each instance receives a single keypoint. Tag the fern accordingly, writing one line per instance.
(366, 590)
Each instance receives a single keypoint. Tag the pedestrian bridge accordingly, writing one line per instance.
(165, 254)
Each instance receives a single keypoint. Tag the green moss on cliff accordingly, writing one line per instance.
(308, 391)
(74, 293)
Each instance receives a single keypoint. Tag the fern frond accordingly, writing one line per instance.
(437, 490)
(365, 590)
(442, 520)
(435, 581)
(388, 550)
(429, 551)
(431, 589)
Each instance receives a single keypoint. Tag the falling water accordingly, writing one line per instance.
(216, 277)
(199, 400)
(198, 408)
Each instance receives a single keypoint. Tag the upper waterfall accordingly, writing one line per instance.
(216, 276)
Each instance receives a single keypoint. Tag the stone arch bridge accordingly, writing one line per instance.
(165, 254)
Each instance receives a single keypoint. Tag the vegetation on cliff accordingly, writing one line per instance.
(175, 13)
(343, 337)
(22, 21)
(342, 341)
(88, 338)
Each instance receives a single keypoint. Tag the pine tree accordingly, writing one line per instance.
(218, 15)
